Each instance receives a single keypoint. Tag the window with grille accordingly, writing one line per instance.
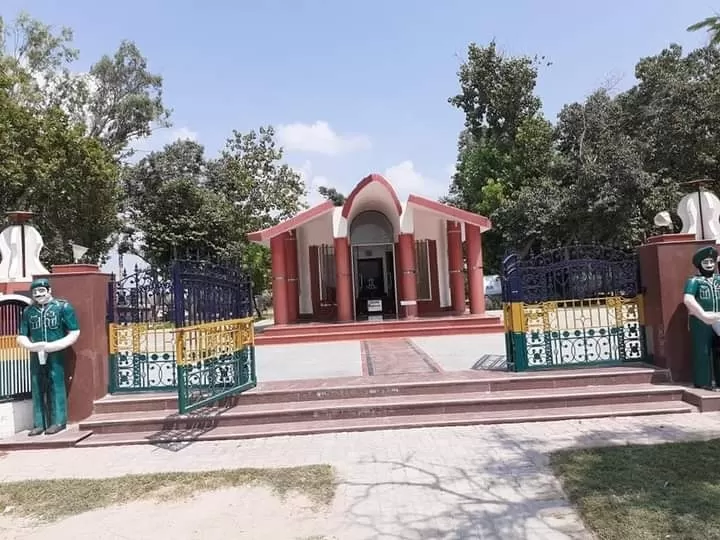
(326, 265)
(422, 267)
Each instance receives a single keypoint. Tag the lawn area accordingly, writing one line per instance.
(668, 491)
(49, 500)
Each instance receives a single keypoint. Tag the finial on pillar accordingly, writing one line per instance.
(19, 217)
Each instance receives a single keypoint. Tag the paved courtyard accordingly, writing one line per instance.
(345, 358)
(478, 482)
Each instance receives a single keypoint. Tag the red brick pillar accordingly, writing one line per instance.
(665, 266)
(475, 269)
(279, 279)
(455, 266)
(86, 362)
(408, 276)
(291, 263)
(343, 280)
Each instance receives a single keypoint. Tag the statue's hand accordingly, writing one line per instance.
(38, 346)
(711, 317)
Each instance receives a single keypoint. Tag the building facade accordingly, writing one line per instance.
(376, 258)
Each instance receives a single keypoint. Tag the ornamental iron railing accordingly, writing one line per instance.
(574, 306)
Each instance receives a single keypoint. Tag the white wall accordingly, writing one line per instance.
(429, 226)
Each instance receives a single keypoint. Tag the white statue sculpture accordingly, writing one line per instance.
(700, 215)
(20, 247)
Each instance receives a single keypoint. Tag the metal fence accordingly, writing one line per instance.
(14, 360)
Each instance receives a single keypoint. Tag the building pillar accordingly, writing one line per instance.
(279, 279)
(291, 264)
(408, 277)
(476, 280)
(665, 266)
(343, 280)
(455, 267)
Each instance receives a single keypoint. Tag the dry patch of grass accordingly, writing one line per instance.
(50, 500)
(645, 492)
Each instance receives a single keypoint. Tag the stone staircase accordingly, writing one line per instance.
(390, 402)
(378, 403)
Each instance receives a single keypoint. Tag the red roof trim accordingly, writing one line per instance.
(293, 223)
(365, 182)
(451, 212)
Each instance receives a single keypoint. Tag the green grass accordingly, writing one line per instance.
(669, 491)
(49, 500)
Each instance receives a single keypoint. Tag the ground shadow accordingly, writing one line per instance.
(508, 492)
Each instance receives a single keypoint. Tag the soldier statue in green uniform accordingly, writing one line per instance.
(47, 328)
(702, 298)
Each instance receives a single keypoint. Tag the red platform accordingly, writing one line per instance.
(312, 332)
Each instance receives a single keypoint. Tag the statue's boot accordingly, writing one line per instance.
(55, 428)
(36, 431)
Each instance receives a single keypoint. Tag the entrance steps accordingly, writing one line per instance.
(391, 402)
(424, 326)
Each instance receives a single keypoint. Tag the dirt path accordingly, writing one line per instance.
(237, 513)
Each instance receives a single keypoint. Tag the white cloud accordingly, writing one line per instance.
(407, 180)
(312, 183)
(319, 138)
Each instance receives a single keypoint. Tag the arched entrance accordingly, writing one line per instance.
(373, 266)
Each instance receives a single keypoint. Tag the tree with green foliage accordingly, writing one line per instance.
(184, 204)
(332, 194)
(50, 167)
(506, 142)
(104, 110)
(711, 25)
(118, 100)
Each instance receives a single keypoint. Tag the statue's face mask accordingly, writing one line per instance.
(41, 295)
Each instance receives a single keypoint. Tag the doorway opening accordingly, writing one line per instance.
(373, 267)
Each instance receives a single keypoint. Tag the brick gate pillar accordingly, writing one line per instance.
(476, 280)
(291, 262)
(455, 267)
(343, 280)
(86, 362)
(279, 279)
(665, 265)
(408, 276)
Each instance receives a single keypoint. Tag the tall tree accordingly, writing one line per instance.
(118, 100)
(50, 167)
(506, 143)
(183, 203)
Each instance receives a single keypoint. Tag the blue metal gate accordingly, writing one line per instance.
(158, 341)
(573, 306)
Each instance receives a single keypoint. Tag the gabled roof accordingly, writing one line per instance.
(293, 223)
(450, 212)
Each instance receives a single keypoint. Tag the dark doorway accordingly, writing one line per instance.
(372, 282)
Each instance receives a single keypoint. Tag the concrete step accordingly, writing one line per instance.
(250, 431)
(360, 333)
(398, 385)
(519, 401)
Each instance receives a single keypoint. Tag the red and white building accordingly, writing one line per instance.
(376, 257)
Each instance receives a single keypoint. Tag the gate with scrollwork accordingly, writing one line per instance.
(188, 329)
(572, 306)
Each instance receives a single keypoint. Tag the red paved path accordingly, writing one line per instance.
(395, 356)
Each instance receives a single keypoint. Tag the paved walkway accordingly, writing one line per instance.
(478, 482)
(350, 358)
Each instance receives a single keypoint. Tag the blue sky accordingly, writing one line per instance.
(362, 85)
